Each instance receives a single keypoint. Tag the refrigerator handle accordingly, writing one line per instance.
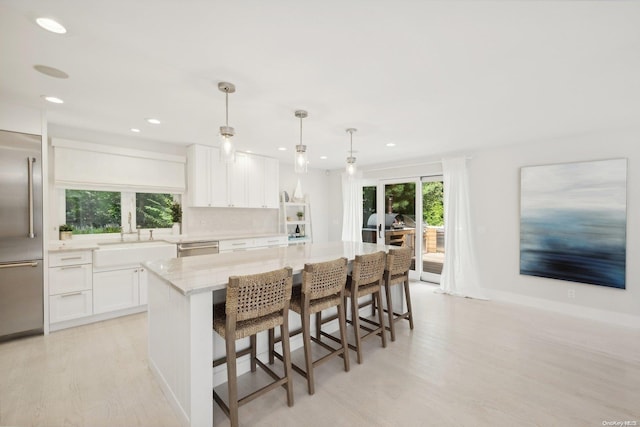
(30, 162)
(20, 264)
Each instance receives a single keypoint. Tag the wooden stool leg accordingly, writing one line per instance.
(387, 291)
(355, 319)
(407, 295)
(383, 335)
(286, 356)
(252, 343)
(272, 341)
(306, 337)
(232, 381)
(343, 335)
(318, 324)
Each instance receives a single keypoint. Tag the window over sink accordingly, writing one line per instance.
(95, 212)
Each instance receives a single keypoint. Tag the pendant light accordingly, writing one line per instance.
(351, 161)
(301, 161)
(227, 146)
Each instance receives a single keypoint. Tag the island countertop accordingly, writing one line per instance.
(206, 273)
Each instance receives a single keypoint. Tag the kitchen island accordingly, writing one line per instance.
(182, 292)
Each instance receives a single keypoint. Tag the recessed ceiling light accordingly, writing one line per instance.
(51, 72)
(391, 144)
(53, 99)
(153, 121)
(323, 157)
(51, 25)
(135, 130)
(282, 148)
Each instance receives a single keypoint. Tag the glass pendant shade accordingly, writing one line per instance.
(351, 166)
(301, 161)
(227, 146)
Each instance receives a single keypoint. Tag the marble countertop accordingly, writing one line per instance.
(82, 245)
(205, 273)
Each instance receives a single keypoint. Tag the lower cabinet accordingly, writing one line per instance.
(70, 306)
(118, 289)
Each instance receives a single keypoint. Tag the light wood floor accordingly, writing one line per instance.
(468, 362)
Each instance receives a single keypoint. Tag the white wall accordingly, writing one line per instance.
(495, 187)
(16, 118)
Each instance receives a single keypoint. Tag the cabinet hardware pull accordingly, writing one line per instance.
(70, 267)
(71, 294)
(239, 244)
(19, 264)
(70, 258)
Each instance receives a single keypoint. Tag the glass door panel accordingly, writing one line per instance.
(369, 209)
(399, 204)
(433, 229)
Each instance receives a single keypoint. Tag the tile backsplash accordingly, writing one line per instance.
(229, 221)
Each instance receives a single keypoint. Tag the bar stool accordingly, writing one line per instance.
(396, 272)
(366, 279)
(322, 288)
(254, 303)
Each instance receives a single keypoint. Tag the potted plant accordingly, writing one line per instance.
(300, 215)
(176, 217)
(66, 231)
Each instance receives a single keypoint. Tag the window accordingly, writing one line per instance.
(93, 212)
(153, 210)
(90, 212)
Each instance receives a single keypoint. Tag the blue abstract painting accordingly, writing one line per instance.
(573, 221)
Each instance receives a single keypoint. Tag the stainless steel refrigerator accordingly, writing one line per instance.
(21, 272)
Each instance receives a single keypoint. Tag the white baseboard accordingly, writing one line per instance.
(168, 393)
(96, 318)
(619, 319)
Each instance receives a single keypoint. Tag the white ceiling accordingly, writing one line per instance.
(431, 76)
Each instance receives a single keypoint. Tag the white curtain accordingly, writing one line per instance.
(351, 208)
(459, 274)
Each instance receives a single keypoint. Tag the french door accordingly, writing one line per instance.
(407, 213)
(432, 254)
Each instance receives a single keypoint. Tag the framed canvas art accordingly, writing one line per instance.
(573, 220)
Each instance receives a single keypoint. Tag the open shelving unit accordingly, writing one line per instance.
(290, 222)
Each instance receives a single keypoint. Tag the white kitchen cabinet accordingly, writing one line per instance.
(263, 177)
(238, 245)
(239, 177)
(116, 289)
(70, 306)
(70, 285)
(143, 280)
(199, 175)
(249, 182)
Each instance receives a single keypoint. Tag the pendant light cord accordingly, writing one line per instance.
(226, 103)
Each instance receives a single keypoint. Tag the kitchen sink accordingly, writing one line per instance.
(112, 254)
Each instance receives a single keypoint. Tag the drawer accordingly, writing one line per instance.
(70, 278)
(70, 306)
(234, 245)
(57, 259)
(271, 241)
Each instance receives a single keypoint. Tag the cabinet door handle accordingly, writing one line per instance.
(70, 258)
(70, 267)
(239, 244)
(71, 294)
(142, 270)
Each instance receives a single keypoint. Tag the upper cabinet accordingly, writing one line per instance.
(249, 182)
